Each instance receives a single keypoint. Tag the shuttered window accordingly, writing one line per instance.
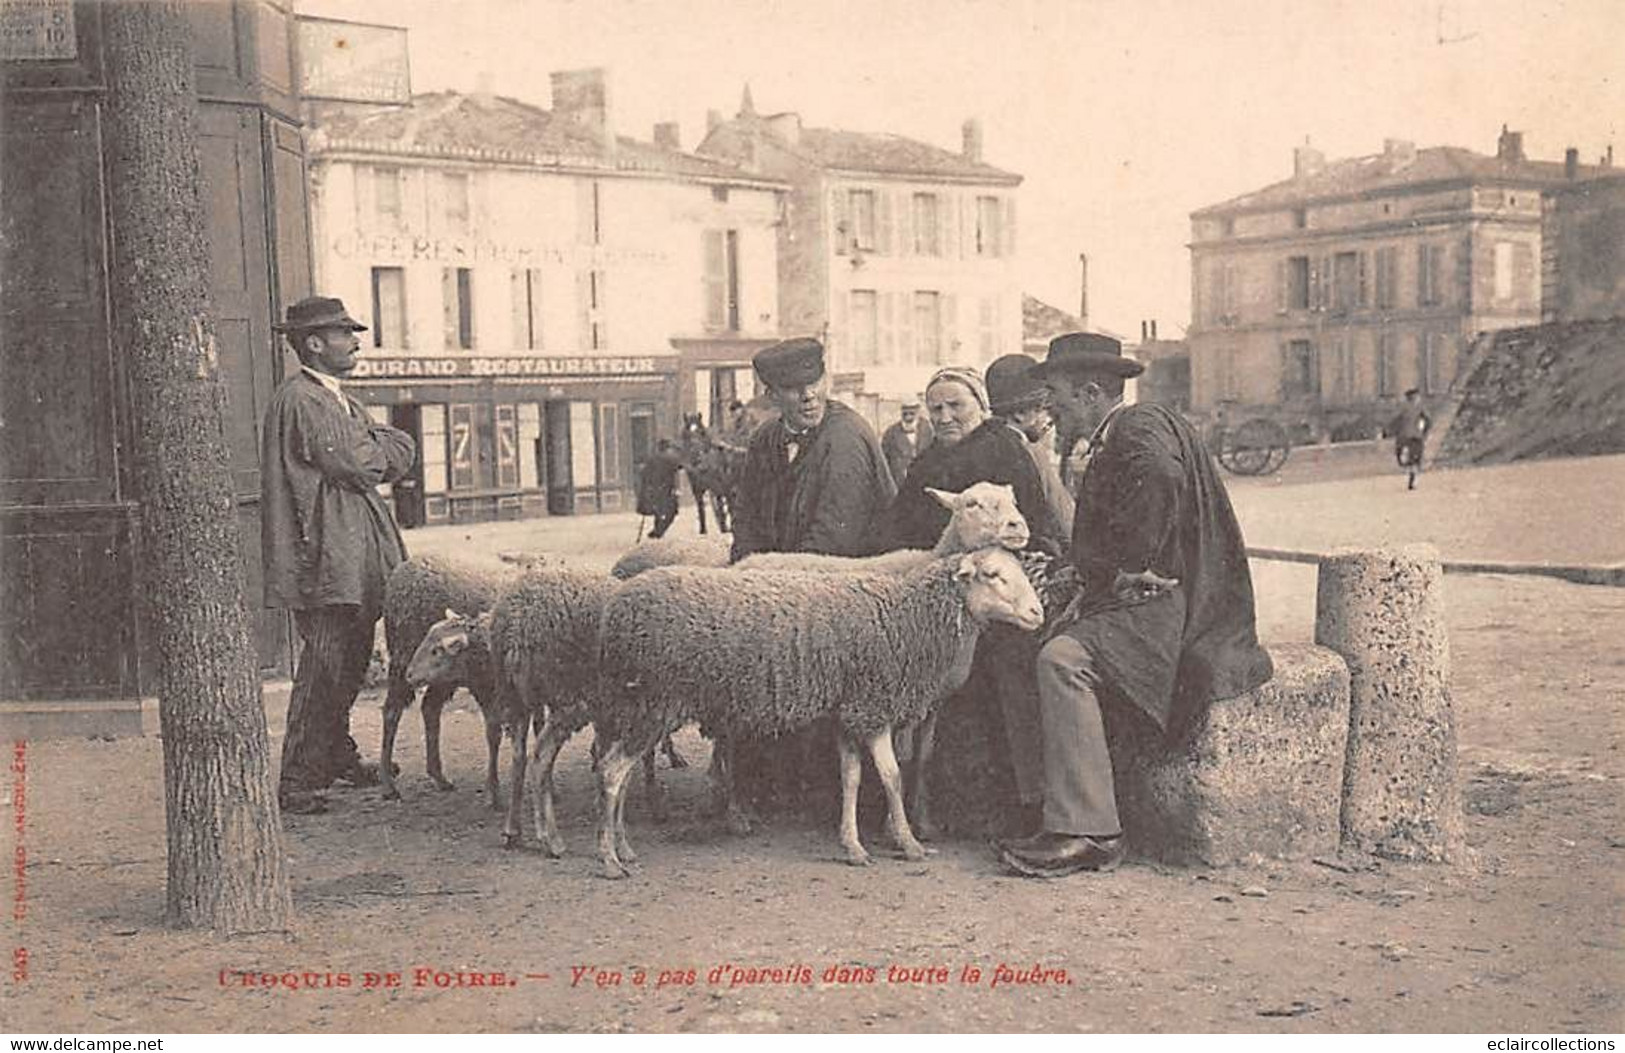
(389, 307)
(864, 320)
(457, 301)
(927, 328)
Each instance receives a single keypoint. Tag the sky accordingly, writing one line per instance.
(1124, 116)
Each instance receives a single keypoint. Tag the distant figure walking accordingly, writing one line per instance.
(905, 440)
(657, 486)
(1410, 430)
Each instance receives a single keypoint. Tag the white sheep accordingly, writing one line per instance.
(764, 653)
(672, 551)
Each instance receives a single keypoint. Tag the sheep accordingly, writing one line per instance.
(981, 514)
(418, 594)
(765, 653)
(669, 551)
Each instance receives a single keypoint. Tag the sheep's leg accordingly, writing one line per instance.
(395, 703)
(434, 700)
(851, 779)
(896, 819)
(519, 732)
(738, 818)
(925, 743)
(493, 746)
(549, 741)
(623, 847)
(613, 767)
(673, 758)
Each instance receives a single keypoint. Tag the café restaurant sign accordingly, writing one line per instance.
(582, 367)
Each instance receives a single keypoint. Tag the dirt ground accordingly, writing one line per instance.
(1523, 937)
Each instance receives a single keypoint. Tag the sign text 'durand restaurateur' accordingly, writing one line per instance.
(585, 366)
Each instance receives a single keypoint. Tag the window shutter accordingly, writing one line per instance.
(1423, 293)
(1364, 299)
(841, 232)
(519, 309)
(883, 223)
(715, 279)
(1282, 279)
(903, 209)
(583, 310)
(885, 306)
(1284, 387)
(535, 277)
(602, 314)
(948, 341)
(841, 347)
(1009, 226)
(448, 305)
(908, 344)
(948, 204)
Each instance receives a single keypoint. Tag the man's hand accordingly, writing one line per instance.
(1141, 586)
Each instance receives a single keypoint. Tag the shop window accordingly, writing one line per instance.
(609, 443)
(507, 436)
(463, 438)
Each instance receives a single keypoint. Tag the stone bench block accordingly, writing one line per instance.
(1261, 773)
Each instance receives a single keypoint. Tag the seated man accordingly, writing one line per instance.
(1164, 621)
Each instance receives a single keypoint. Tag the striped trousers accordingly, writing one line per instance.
(337, 645)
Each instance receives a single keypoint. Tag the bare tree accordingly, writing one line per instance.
(225, 858)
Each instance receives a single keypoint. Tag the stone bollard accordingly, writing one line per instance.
(1382, 610)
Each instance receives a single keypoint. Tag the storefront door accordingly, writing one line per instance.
(409, 510)
(556, 433)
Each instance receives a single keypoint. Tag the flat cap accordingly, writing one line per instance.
(318, 312)
(790, 363)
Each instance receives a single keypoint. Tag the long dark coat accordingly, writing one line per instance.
(900, 453)
(993, 453)
(1151, 499)
(829, 499)
(320, 510)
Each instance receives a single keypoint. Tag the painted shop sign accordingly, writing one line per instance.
(526, 366)
(353, 61)
(400, 247)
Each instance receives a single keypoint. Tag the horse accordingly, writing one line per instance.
(712, 467)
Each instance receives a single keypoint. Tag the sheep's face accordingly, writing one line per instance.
(983, 514)
(996, 589)
(442, 656)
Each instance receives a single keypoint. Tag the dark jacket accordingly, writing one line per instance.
(657, 485)
(900, 453)
(320, 511)
(1151, 499)
(830, 499)
(993, 453)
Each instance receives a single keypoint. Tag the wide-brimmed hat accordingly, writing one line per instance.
(318, 312)
(790, 363)
(1088, 353)
(1013, 384)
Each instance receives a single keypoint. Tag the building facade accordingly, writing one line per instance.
(900, 255)
(545, 297)
(1583, 249)
(73, 652)
(1319, 300)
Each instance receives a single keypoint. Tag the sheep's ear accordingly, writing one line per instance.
(946, 498)
(451, 614)
(967, 567)
(1007, 488)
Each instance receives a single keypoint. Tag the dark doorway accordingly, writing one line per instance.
(642, 419)
(409, 510)
(556, 436)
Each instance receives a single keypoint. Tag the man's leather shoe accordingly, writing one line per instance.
(1058, 855)
(302, 802)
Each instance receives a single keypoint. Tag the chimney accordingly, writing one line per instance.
(1571, 163)
(713, 121)
(1153, 330)
(667, 136)
(1510, 146)
(1608, 158)
(971, 135)
(786, 127)
(582, 96)
(1083, 291)
(1145, 331)
(1399, 153)
(1307, 161)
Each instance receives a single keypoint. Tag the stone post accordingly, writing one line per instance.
(1383, 611)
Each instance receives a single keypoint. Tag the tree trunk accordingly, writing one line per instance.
(225, 855)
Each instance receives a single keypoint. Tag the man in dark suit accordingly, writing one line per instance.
(328, 543)
(814, 480)
(903, 442)
(1164, 621)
